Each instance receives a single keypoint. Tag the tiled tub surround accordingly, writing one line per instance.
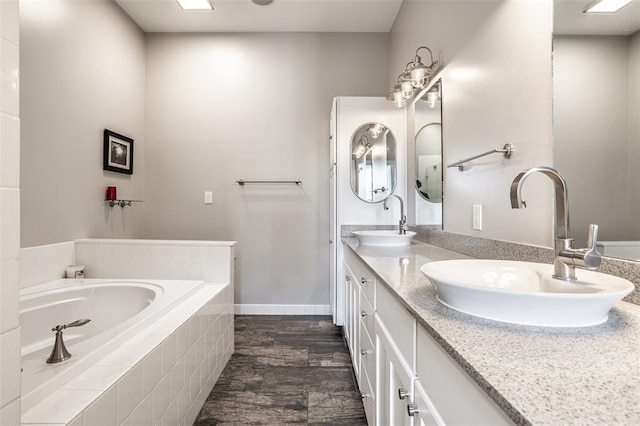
(536, 375)
(160, 377)
(156, 259)
(163, 375)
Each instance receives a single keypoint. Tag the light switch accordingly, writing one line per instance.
(208, 197)
(477, 217)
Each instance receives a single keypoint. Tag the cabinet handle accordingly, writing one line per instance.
(403, 394)
(363, 280)
(346, 278)
(364, 395)
(412, 410)
(364, 314)
(363, 352)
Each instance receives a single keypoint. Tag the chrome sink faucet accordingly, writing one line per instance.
(566, 257)
(402, 223)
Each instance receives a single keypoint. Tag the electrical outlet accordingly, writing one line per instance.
(208, 197)
(477, 217)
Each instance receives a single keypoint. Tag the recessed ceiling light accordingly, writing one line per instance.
(195, 4)
(262, 2)
(607, 6)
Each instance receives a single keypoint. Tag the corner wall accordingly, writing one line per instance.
(223, 107)
(9, 213)
(496, 90)
(83, 70)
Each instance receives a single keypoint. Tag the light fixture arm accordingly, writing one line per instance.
(417, 59)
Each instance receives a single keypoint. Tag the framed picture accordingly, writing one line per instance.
(118, 153)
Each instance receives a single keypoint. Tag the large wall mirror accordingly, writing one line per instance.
(596, 114)
(374, 165)
(428, 156)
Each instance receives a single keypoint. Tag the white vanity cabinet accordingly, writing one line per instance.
(454, 397)
(406, 377)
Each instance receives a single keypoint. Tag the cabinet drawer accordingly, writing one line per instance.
(449, 387)
(368, 399)
(367, 357)
(363, 275)
(398, 321)
(367, 317)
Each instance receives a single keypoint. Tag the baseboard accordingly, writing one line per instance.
(283, 309)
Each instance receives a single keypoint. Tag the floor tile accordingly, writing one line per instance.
(285, 370)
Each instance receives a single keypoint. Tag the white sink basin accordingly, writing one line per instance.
(384, 238)
(525, 293)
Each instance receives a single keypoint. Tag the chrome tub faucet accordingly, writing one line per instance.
(59, 352)
(566, 257)
(402, 223)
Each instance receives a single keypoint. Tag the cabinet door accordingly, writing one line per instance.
(422, 410)
(449, 387)
(395, 381)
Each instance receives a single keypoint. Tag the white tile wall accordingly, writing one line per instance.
(155, 259)
(164, 385)
(42, 264)
(9, 213)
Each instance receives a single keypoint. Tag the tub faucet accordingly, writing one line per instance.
(60, 352)
(402, 223)
(566, 257)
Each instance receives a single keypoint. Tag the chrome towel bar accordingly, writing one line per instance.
(242, 181)
(506, 150)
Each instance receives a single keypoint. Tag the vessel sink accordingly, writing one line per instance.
(384, 238)
(525, 293)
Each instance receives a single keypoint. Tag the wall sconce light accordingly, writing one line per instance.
(414, 77)
(362, 147)
(375, 130)
(433, 96)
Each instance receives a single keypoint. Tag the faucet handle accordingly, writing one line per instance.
(592, 239)
(589, 257)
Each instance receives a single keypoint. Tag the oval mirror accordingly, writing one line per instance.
(429, 162)
(373, 162)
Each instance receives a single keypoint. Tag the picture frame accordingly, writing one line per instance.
(118, 153)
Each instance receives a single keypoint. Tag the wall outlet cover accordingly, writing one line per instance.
(477, 217)
(208, 197)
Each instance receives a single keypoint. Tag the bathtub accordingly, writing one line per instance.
(119, 311)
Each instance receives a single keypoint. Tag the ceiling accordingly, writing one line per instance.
(280, 16)
(342, 16)
(568, 19)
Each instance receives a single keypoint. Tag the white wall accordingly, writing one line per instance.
(496, 90)
(590, 92)
(223, 107)
(9, 214)
(634, 130)
(83, 70)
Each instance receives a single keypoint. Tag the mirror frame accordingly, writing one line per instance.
(411, 151)
(351, 164)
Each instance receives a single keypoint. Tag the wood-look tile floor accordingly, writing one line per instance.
(285, 370)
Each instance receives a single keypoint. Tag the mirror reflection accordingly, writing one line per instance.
(596, 105)
(428, 156)
(373, 162)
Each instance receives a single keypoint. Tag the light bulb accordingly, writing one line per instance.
(418, 76)
(407, 88)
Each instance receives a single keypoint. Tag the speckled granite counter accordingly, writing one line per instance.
(540, 376)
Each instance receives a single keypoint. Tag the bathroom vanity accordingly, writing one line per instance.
(420, 362)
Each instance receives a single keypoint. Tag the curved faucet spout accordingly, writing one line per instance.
(561, 225)
(402, 224)
(566, 258)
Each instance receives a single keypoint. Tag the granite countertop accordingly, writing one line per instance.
(537, 375)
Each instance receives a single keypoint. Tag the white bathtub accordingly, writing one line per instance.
(119, 311)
